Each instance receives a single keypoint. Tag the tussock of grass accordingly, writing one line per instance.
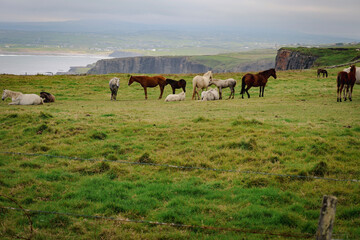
(98, 135)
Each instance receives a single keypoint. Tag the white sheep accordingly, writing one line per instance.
(175, 97)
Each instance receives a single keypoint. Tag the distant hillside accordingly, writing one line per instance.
(256, 60)
(303, 58)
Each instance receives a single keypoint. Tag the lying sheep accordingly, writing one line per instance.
(210, 95)
(175, 97)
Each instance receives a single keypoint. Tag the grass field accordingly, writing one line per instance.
(334, 55)
(298, 128)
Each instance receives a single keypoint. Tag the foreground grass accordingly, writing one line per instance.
(298, 128)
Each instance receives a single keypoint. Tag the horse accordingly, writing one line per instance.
(256, 80)
(114, 86)
(230, 83)
(210, 95)
(357, 74)
(176, 84)
(175, 97)
(347, 80)
(47, 97)
(151, 82)
(201, 82)
(323, 72)
(22, 99)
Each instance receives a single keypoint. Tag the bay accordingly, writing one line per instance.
(44, 64)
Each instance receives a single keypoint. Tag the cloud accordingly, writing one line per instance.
(303, 15)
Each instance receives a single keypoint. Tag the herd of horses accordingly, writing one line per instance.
(345, 83)
(203, 82)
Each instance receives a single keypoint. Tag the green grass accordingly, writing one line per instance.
(332, 55)
(298, 128)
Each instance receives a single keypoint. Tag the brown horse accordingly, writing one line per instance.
(47, 97)
(151, 82)
(256, 80)
(347, 80)
(323, 72)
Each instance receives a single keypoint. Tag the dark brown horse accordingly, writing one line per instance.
(176, 84)
(47, 97)
(346, 80)
(151, 82)
(256, 80)
(323, 72)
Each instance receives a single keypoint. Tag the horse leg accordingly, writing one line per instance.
(145, 93)
(350, 92)
(173, 88)
(115, 94)
(220, 93)
(246, 90)
(263, 89)
(162, 90)
(194, 93)
(183, 88)
(346, 88)
(15, 102)
(341, 88)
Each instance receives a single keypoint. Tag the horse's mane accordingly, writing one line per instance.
(266, 72)
(208, 73)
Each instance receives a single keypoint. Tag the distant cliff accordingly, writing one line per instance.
(170, 65)
(147, 65)
(291, 59)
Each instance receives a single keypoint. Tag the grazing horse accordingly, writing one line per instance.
(176, 84)
(47, 97)
(201, 82)
(230, 83)
(357, 74)
(347, 80)
(114, 86)
(22, 99)
(151, 82)
(256, 80)
(323, 72)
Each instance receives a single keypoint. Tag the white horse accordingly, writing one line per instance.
(22, 99)
(357, 74)
(230, 83)
(210, 95)
(175, 97)
(114, 86)
(201, 82)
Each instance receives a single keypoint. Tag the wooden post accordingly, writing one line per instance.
(327, 218)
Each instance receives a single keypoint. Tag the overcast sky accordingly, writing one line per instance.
(326, 17)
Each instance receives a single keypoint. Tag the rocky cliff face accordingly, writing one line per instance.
(169, 65)
(287, 60)
(166, 65)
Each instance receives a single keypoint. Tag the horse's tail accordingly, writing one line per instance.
(242, 85)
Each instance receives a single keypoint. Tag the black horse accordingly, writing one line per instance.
(323, 72)
(176, 84)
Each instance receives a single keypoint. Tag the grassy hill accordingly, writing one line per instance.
(334, 55)
(298, 128)
(232, 60)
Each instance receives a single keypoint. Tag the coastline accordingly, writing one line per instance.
(51, 53)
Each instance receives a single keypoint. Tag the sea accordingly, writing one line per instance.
(44, 64)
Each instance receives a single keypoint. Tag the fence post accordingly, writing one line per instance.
(327, 218)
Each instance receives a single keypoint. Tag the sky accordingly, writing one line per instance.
(339, 18)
